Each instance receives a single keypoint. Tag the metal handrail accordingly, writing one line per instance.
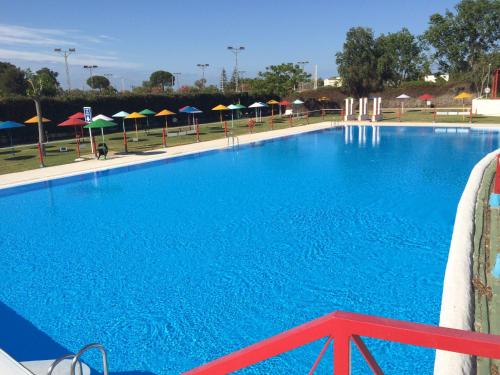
(59, 360)
(87, 348)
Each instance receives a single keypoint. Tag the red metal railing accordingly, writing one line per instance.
(342, 328)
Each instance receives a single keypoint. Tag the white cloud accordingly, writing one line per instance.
(36, 45)
(77, 59)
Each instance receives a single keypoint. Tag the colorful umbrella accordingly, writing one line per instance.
(100, 124)
(165, 113)
(147, 112)
(135, 116)
(102, 117)
(272, 103)
(78, 115)
(284, 103)
(192, 110)
(220, 108)
(74, 122)
(258, 109)
(403, 97)
(34, 120)
(462, 96)
(297, 102)
(8, 125)
(123, 115)
(234, 107)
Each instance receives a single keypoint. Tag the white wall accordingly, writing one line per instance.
(488, 107)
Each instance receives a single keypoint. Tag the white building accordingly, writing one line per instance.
(333, 82)
(432, 78)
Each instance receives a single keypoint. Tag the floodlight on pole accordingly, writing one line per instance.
(236, 50)
(66, 53)
(203, 67)
(90, 67)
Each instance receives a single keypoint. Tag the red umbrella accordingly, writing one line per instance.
(426, 97)
(285, 103)
(78, 115)
(74, 122)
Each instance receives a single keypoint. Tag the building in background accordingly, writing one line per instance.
(333, 82)
(432, 77)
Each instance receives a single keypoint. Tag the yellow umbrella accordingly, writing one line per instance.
(272, 103)
(34, 120)
(463, 95)
(166, 113)
(135, 116)
(220, 108)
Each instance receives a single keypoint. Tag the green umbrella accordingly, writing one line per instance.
(233, 107)
(99, 124)
(147, 112)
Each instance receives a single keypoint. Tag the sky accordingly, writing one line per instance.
(131, 39)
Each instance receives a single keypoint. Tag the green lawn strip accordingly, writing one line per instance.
(484, 320)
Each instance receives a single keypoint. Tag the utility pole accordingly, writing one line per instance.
(203, 67)
(90, 67)
(236, 50)
(66, 53)
(302, 64)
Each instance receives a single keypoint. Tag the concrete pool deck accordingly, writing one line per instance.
(120, 160)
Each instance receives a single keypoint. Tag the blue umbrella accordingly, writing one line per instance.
(190, 111)
(7, 125)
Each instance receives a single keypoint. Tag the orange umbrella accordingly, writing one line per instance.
(165, 113)
(34, 120)
(135, 116)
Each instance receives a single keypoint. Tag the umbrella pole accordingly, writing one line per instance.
(136, 131)
(91, 141)
(124, 136)
(102, 134)
(232, 119)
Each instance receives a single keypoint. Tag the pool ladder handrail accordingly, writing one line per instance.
(235, 140)
(76, 357)
(62, 358)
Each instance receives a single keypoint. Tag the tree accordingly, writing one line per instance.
(200, 83)
(357, 63)
(12, 80)
(98, 82)
(399, 57)
(162, 79)
(232, 81)
(459, 39)
(279, 79)
(52, 85)
(480, 73)
(36, 84)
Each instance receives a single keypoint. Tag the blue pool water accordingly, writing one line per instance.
(175, 263)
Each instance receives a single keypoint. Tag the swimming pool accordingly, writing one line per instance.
(177, 262)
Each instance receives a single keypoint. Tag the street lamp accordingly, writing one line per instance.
(66, 53)
(90, 67)
(302, 65)
(203, 67)
(236, 50)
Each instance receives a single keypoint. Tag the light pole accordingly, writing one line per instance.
(66, 53)
(90, 67)
(203, 67)
(177, 80)
(302, 65)
(236, 50)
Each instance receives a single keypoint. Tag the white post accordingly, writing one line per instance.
(374, 114)
(379, 104)
(346, 114)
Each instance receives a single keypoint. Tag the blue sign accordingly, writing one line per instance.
(87, 112)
